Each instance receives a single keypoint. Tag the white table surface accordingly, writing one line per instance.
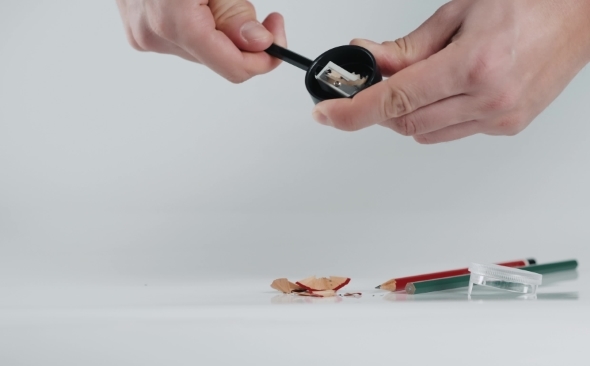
(245, 322)
(120, 163)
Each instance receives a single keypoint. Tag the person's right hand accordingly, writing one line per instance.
(486, 67)
(223, 35)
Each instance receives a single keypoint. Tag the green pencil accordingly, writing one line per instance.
(422, 287)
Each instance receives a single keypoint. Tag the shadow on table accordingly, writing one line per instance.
(294, 299)
(497, 295)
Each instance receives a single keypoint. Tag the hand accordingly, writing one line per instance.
(223, 35)
(474, 67)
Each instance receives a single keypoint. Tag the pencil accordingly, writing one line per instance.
(289, 57)
(399, 284)
(414, 288)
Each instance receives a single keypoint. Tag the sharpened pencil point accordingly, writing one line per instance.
(378, 287)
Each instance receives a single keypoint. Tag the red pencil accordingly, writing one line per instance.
(399, 284)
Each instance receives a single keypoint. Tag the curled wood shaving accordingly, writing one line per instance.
(312, 286)
(339, 78)
(286, 287)
(318, 284)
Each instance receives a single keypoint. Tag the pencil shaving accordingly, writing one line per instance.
(353, 294)
(335, 76)
(311, 286)
(318, 284)
(286, 287)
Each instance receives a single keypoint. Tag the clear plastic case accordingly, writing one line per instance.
(504, 278)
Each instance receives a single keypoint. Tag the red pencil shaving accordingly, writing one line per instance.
(312, 286)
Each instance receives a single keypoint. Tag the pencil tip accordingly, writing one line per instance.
(378, 287)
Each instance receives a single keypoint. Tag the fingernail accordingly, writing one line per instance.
(321, 118)
(253, 31)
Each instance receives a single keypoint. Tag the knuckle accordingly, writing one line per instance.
(132, 39)
(511, 125)
(446, 12)
(133, 43)
(480, 70)
(346, 123)
(237, 78)
(406, 126)
(145, 39)
(403, 45)
(226, 10)
(395, 104)
(161, 26)
(423, 140)
(502, 102)
(398, 53)
(488, 65)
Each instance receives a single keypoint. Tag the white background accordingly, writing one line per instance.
(120, 168)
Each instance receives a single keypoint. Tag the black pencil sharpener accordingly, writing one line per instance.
(338, 73)
(341, 73)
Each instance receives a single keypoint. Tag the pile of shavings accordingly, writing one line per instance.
(313, 286)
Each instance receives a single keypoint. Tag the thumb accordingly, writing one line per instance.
(432, 36)
(237, 19)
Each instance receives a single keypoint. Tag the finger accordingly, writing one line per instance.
(261, 62)
(448, 112)
(216, 50)
(237, 19)
(431, 37)
(436, 78)
(451, 133)
(275, 23)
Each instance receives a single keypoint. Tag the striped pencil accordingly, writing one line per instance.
(399, 284)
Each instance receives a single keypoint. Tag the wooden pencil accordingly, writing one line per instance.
(399, 284)
(414, 288)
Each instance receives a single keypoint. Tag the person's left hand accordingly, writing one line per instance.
(474, 67)
(223, 35)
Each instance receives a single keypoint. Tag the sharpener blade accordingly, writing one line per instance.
(341, 81)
